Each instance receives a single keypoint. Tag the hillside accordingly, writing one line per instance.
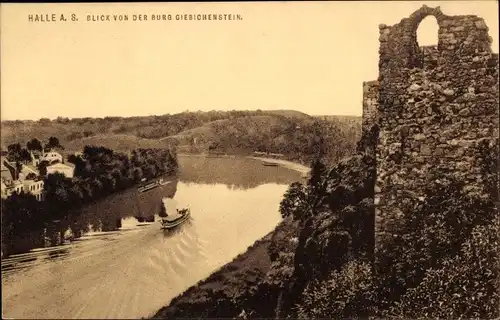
(117, 142)
(340, 119)
(318, 263)
(292, 133)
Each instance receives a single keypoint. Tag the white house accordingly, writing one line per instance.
(65, 169)
(17, 186)
(52, 156)
(35, 187)
(3, 190)
(6, 175)
(11, 184)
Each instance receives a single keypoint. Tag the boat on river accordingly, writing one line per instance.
(172, 221)
(151, 185)
(270, 164)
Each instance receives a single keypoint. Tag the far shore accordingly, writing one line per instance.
(284, 163)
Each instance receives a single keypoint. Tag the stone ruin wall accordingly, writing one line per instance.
(432, 106)
(370, 104)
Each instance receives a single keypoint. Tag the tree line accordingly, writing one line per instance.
(148, 127)
(289, 133)
(300, 140)
(17, 153)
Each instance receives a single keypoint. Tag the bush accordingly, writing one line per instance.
(463, 287)
(343, 294)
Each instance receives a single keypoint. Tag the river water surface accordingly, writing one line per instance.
(133, 271)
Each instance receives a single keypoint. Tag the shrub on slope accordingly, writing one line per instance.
(445, 264)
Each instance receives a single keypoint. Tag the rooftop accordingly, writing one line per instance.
(61, 165)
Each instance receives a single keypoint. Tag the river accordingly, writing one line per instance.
(137, 268)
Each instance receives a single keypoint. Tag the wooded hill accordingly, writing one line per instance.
(292, 133)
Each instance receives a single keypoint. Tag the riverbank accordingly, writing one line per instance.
(234, 287)
(281, 162)
(232, 280)
(284, 163)
(237, 285)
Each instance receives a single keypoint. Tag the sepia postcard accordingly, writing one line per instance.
(250, 160)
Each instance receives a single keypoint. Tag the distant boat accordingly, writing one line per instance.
(162, 183)
(152, 185)
(269, 164)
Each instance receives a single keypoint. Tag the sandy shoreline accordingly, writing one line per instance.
(284, 163)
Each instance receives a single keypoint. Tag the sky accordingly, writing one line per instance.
(307, 56)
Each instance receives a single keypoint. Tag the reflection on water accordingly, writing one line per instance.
(236, 173)
(57, 254)
(105, 215)
(133, 270)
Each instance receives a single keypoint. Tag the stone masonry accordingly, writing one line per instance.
(370, 103)
(432, 106)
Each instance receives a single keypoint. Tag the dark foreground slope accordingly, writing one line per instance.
(320, 260)
(256, 284)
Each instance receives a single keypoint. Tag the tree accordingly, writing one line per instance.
(80, 165)
(317, 145)
(19, 167)
(14, 151)
(318, 169)
(42, 167)
(57, 193)
(294, 201)
(53, 143)
(76, 195)
(24, 156)
(163, 210)
(31, 176)
(316, 185)
(21, 212)
(34, 145)
(138, 174)
(109, 183)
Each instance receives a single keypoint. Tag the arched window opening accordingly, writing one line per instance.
(427, 32)
(427, 42)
